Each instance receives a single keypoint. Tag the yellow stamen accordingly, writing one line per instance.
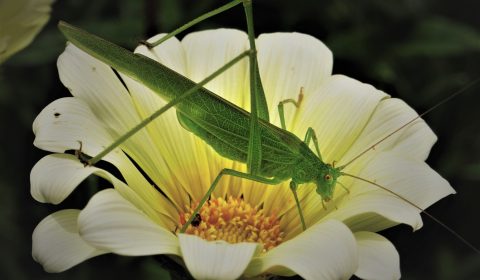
(233, 220)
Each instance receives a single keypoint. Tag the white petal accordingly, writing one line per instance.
(170, 53)
(410, 179)
(112, 223)
(326, 250)
(338, 111)
(55, 176)
(377, 257)
(215, 259)
(56, 244)
(63, 125)
(66, 122)
(362, 213)
(413, 141)
(207, 51)
(96, 84)
(288, 62)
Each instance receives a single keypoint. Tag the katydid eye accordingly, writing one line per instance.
(328, 177)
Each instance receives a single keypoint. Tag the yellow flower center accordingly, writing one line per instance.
(233, 220)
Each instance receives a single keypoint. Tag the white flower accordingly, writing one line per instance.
(134, 218)
(20, 22)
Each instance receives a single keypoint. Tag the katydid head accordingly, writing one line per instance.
(326, 181)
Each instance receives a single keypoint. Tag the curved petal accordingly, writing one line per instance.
(67, 124)
(207, 51)
(414, 141)
(215, 259)
(289, 62)
(327, 250)
(55, 176)
(413, 180)
(377, 257)
(169, 53)
(112, 223)
(97, 85)
(338, 111)
(56, 244)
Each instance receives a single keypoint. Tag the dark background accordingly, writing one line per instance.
(420, 51)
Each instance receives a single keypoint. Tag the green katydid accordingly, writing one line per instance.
(272, 154)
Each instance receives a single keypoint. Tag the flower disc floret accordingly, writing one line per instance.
(234, 220)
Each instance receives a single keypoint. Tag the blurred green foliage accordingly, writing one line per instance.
(418, 50)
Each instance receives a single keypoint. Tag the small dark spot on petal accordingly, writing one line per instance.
(57, 115)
